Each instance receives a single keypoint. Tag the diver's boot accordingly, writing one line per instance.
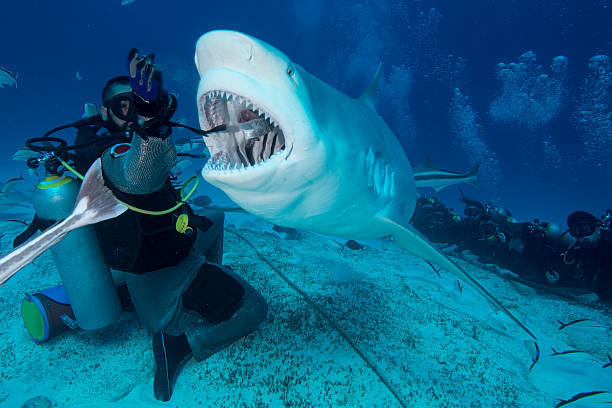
(171, 354)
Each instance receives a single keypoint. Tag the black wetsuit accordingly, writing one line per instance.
(592, 266)
(434, 220)
(136, 242)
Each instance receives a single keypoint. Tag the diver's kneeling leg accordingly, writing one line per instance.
(171, 353)
(210, 240)
(233, 320)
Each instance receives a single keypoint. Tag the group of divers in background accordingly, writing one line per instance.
(540, 253)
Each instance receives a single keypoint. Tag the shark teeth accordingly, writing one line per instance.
(252, 135)
(221, 169)
(247, 103)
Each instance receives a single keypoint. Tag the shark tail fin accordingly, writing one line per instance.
(411, 240)
(96, 202)
(368, 96)
(473, 176)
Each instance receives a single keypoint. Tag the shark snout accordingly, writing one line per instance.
(220, 47)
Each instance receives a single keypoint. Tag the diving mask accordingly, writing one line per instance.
(122, 106)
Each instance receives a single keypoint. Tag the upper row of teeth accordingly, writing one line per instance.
(243, 101)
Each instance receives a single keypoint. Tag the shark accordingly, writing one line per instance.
(301, 154)
(427, 175)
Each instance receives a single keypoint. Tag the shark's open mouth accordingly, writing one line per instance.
(251, 138)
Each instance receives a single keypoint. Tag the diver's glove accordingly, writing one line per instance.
(146, 81)
(154, 105)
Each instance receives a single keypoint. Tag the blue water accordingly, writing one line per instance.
(543, 156)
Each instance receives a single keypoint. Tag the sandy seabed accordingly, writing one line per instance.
(432, 344)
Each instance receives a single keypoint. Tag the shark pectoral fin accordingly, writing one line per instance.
(411, 240)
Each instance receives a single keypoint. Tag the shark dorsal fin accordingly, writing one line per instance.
(368, 96)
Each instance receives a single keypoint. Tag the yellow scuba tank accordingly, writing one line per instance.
(78, 257)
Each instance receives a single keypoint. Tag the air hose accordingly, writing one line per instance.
(184, 198)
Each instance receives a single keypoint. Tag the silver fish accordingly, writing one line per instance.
(7, 78)
(427, 175)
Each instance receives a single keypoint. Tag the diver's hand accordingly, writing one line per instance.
(154, 105)
(150, 101)
(145, 79)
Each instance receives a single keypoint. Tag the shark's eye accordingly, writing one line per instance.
(290, 71)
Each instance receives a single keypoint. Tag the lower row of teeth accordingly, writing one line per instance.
(251, 137)
(236, 150)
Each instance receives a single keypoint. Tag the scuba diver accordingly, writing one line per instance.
(434, 220)
(481, 230)
(590, 256)
(170, 258)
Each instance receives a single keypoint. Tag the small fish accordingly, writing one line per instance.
(533, 351)
(7, 78)
(182, 165)
(89, 110)
(12, 197)
(25, 154)
(286, 230)
(94, 203)
(9, 185)
(226, 209)
(562, 353)
(19, 222)
(609, 363)
(354, 245)
(78, 75)
(350, 244)
(427, 175)
(205, 201)
(291, 234)
(564, 325)
(202, 201)
(434, 268)
(579, 396)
